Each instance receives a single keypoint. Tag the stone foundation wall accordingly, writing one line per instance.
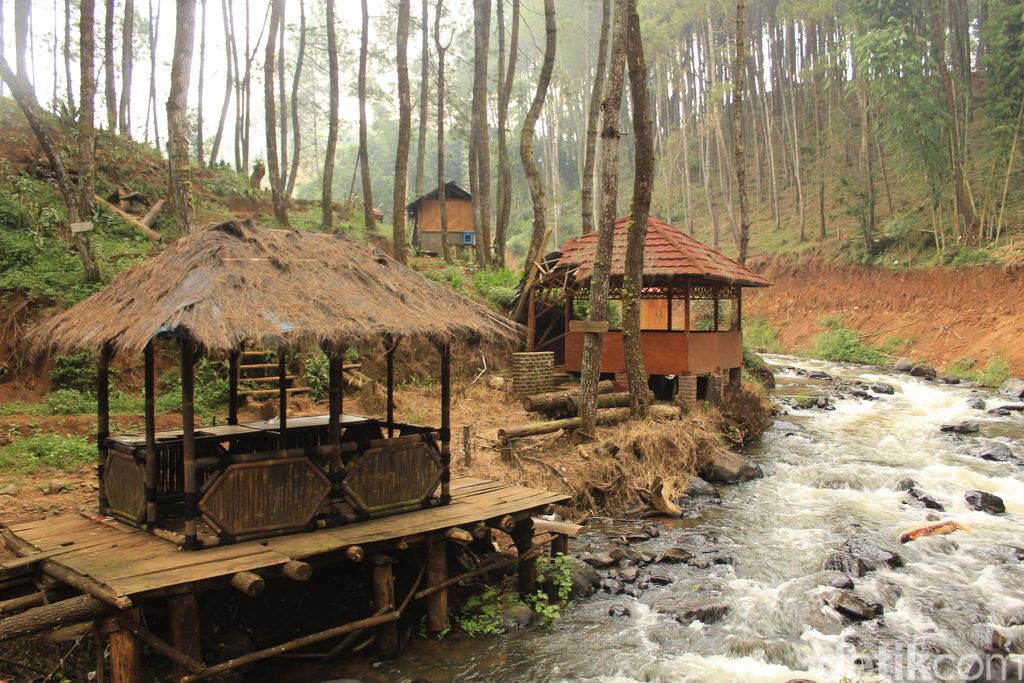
(533, 372)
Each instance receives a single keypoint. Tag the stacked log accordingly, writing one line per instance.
(560, 402)
(605, 416)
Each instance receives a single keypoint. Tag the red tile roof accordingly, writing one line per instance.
(668, 252)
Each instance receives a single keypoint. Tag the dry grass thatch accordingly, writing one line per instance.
(233, 283)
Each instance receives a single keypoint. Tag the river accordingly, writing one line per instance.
(828, 477)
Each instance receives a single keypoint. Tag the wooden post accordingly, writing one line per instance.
(183, 623)
(282, 399)
(125, 655)
(437, 573)
(150, 429)
(668, 298)
(390, 354)
(188, 442)
(233, 387)
(102, 419)
(334, 408)
(739, 308)
(384, 595)
(715, 294)
(531, 319)
(560, 545)
(467, 445)
(686, 307)
(100, 652)
(446, 423)
(522, 535)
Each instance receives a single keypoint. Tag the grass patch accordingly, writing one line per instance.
(497, 287)
(995, 372)
(840, 344)
(759, 336)
(895, 345)
(26, 455)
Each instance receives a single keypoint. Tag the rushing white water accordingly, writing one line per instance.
(829, 476)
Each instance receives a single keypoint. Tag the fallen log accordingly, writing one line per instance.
(933, 529)
(606, 416)
(154, 212)
(618, 399)
(80, 608)
(150, 234)
(557, 400)
(564, 528)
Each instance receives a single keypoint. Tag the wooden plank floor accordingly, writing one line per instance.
(130, 562)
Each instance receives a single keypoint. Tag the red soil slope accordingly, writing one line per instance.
(947, 312)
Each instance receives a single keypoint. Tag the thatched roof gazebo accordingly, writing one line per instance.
(233, 285)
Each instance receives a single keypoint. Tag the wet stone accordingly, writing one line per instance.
(904, 484)
(611, 586)
(994, 451)
(883, 388)
(918, 498)
(619, 611)
(976, 402)
(1013, 387)
(903, 365)
(1001, 412)
(923, 370)
(675, 556)
(983, 501)
(835, 579)
(599, 559)
(625, 554)
(659, 579)
(844, 563)
(950, 379)
(965, 427)
(637, 538)
(651, 531)
(870, 554)
(818, 374)
(852, 606)
(629, 574)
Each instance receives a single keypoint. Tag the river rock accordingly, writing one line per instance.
(851, 605)
(903, 365)
(818, 374)
(585, 579)
(636, 538)
(698, 488)
(1013, 387)
(976, 402)
(965, 427)
(844, 563)
(883, 388)
(619, 611)
(517, 616)
(704, 605)
(660, 579)
(625, 555)
(611, 586)
(870, 554)
(923, 370)
(995, 451)
(950, 378)
(599, 560)
(835, 579)
(675, 556)
(1015, 618)
(983, 501)
(651, 531)
(726, 467)
(1001, 412)
(904, 484)
(629, 574)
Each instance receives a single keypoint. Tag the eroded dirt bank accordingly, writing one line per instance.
(946, 312)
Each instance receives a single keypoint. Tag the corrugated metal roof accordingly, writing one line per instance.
(668, 252)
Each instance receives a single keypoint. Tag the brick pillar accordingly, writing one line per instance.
(533, 372)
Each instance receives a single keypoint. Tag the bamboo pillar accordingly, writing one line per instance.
(102, 419)
(384, 595)
(233, 387)
(522, 535)
(446, 423)
(125, 654)
(531, 320)
(437, 574)
(334, 408)
(183, 628)
(390, 353)
(188, 440)
(150, 428)
(282, 399)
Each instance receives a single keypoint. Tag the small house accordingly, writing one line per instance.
(425, 215)
(690, 310)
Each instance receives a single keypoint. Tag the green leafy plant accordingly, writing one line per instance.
(317, 374)
(69, 402)
(484, 614)
(759, 336)
(895, 345)
(996, 372)
(843, 345)
(28, 454)
(548, 612)
(76, 371)
(557, 570)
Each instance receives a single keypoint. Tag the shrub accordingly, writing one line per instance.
(69, 402)
(895, 345)
(843, 345)
(75, 371)
(963, 366)
(28, 454)
(498, 287)
(759, 336)
(996, 372)
(317, 374)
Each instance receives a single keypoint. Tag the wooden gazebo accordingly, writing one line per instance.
(231, 285)
(691, 308)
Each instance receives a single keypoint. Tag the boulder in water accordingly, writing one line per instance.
(976, 402)
(675, 556)
(950, 378)
(903, 365)
(870, 554)
(1013, 387)
(584, 579)
(983, 501)
(619, 611)
(883, 388)
(904, 484)
(923, 370)
(726, 467)
(818, 374)
(919, 498)
(995, 451)
(706, 607)
(835, 580)
(844, 563)
(851, 605)
(599, 560)
(965, 427)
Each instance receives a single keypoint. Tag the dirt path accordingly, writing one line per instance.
(946, 312)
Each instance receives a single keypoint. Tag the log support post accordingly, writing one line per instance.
(126, 654)
(437, 574)
(334, 361)
(188, 442)
(102, 419)
(282, 398)
(522, 535)
(559, 545)
(446, 423)
(183, 628)
(150, 478)
(384, 596)
(390, 345)
(233, 387)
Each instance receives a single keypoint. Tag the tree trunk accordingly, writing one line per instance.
(364, 158)
(421, 139)
(404, 133)
(479, 154)
(296, 133)
(67, 53)
(643, 179)
(533, 177)
(110, 87)
(86, 126)
(273, 167)
(22, 93)
(229, 82)
(127, 58)
(964, 201)
(442, 205)
(200, 83)
(327, 192)
(22, 14)
(152, 106)
(177, 109)
(597, 298)
(593, 117)
(506, 77)
(737, 113)
(282, 148)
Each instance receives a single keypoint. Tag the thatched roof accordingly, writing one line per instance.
(451, 191)
(234, 283)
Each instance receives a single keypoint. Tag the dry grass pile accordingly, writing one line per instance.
(746, 414)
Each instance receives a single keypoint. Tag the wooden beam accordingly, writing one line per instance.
(103, 419)
(482, 569)
(446, 423)
(297, 571)
(437, 574)
(233, 387)
(188, 441)
(354, 553)
(598, 326)
(564, 528)
(282, 400)
(150, 476)
(125, 653)
(457, 535)
(248, 583)
(183, 627)
(391, 344)
(71, 610)
(150, 234)
(149, 220)
(522, 535)
(334, 370)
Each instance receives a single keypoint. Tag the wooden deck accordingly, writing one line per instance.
(124, 562)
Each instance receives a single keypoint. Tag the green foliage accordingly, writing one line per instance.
(28, 454)
(841, 344)
(805, 402)
(69, 402)
(759, 336)
(317, 374)
(1003, 61)
(895, 345)
(558, 571)
(996, 372)
(74, 371)
(484, 614)
(498, 287)
(549, 612)
(968, 256)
